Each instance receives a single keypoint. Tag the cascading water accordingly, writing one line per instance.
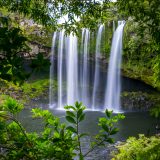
(97, 64)
(60, 69)
(79, 77)
(85, 77)
(72, 69)
(67, 71)
(51, 90)
(81, 63)
(112, 95)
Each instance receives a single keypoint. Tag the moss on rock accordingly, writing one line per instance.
(33, 90)
(140, 101)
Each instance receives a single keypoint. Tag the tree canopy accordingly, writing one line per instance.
(49, 12)
(144, 11)
(147, 14)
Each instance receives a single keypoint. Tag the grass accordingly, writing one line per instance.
(27, 91)
(33, 89)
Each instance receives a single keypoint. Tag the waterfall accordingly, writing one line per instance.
(72, 69)
(112, 95)
(51, 90)
(85, 77)
(81, 64)
(78, 77)
(60, 69)
(97, 64)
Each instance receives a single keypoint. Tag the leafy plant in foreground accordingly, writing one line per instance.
(56, 140)
(143, 148)
(75, 115)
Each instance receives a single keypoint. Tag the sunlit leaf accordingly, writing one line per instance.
(114, 131)
(69, 113)
(71, 129)
(108, 113)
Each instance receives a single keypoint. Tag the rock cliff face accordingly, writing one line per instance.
(139, 101)
(39, 48)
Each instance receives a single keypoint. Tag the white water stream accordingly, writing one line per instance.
(97, 65)
(77, 78)
(112, 95)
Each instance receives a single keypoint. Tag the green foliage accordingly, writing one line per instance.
(139, 47)
(155, 112)
(75, 115)
(37, 33)
(14, 51)
(33, 89)
(40, 63)
(156, 69)
(48, 13)
(55, 135)
(141, 44)
(12, 48)
(140, 53)
(36, 88)
(12, 106)
(138, 149)
(55, 141)
(143, 11)
(108, 128)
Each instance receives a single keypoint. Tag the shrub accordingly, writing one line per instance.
(143, 148)
(56, 140)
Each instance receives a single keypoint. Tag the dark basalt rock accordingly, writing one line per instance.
(138, 101)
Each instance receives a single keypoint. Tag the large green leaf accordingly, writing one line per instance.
(108, 113)
(69, 113)
(79, 113)
(70, 119)
(70, 128)
(110, 140)
(105, 127)
(81, 118)
(114, 131)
